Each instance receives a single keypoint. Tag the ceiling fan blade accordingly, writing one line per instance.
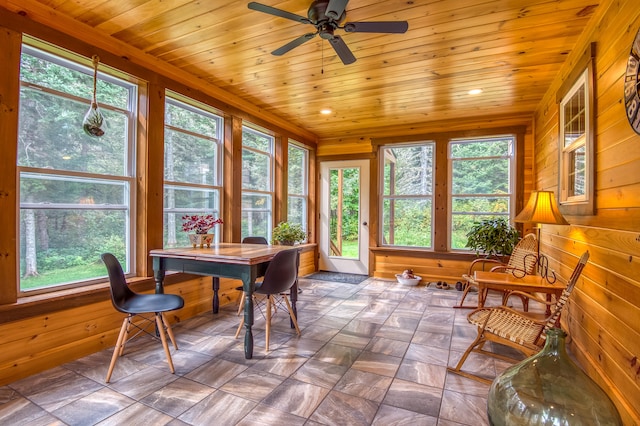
(277, 12)
(343, 51)
(292, 44)
(335, 9)
(395, 27)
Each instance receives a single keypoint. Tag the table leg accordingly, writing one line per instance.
(158, 276)
(216, 301)
(294, 299)
(248, 322)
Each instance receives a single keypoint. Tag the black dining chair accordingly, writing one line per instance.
(142, 306)
(280, 276)
(254, 240)
(248, 240)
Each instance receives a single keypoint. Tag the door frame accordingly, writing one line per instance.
(334, 263)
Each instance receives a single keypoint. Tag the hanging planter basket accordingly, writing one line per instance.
(93, 123)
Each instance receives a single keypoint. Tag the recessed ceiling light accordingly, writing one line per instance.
(325, 111)
(474, 91)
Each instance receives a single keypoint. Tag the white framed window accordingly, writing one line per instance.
(574, 147)
(77, 192)
(257, 183)
(407, 194)
(576, 134)
(193, 135)
(482, 183)
(297, 185)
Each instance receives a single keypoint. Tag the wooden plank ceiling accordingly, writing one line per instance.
(509, 49)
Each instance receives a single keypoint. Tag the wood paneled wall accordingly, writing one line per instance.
(604, 311)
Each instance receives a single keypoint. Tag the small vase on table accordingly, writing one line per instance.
(201, 240)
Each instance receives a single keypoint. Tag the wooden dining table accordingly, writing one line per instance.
(244, 262)
(506, 282)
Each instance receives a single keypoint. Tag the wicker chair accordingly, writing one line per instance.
(513, 328)
(522, 259)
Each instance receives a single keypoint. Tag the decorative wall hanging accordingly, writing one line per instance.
(94, 120)
(632, 85)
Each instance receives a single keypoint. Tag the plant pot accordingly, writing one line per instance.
(201, 240)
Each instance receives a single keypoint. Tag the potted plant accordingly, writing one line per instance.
(493, 237)
(200, 224)
(288, 234)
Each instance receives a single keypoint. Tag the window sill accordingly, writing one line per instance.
(425, 253)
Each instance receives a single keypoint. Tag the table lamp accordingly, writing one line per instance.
(541, 208)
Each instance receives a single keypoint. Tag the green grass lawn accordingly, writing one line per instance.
(68, 275)
(350, 249)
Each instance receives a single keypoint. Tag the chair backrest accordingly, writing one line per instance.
(120, 291)
(562, 300)
(281, 273)
(524, 255)
(254, 240)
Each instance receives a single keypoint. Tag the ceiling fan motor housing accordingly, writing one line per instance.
(317, 14)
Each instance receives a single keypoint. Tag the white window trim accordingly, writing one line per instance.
(35, 47)
(384, 197)
(305, 185)
(566, 151)
(511, 156)
(271, 191)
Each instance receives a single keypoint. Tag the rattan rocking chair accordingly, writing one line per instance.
(513, 328)
(522, 260)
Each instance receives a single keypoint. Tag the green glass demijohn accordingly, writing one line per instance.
(549, 389)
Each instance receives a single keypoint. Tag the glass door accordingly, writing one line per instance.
(344, 215)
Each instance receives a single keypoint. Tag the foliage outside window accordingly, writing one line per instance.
(257, 183)
(481, 183)
(76, 192)
(297, 185)
(192, 166)
(344, 212)
(574, 143)
(407, 198)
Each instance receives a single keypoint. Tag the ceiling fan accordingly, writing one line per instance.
(327, 16)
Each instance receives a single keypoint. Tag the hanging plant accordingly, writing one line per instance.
(94, 120)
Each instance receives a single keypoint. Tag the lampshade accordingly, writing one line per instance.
(541, 208)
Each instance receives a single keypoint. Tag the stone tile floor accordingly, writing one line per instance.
(374, 353)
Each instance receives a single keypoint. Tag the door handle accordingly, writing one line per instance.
(364, 223)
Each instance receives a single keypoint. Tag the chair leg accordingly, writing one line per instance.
(241, 303)
(478, 342)
(291, 314)
(117, 351)
(464, 295)
(268, 325)
(163, 338)
(169, 330)
(126, 335)
(240, 326)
